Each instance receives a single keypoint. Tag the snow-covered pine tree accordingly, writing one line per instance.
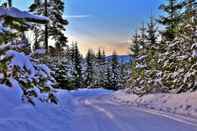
(38, 8)
(56, 33)
(124, 76)
(115, 71)
(108, 76)
(64, 68)
(152, 44)
(142, 43)
(57, 23)
(178, 72)
(178, 64)
(188, 38)
(171, 19)
(189, 20)
(153, 70)
(77, 66)
(169, 64)
(90, 69)
(152, 33)
(134, 51)
(138, 71)
(145, 71)
(16, 69)
(103, 57)
(26, 46)
(142, 36)
(62, 75)
(101, 68)
(135, 47)
(100, 57)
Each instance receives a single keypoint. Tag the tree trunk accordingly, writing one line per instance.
(10, 3)
(46, 28)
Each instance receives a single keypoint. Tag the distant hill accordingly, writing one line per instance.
(124, 59)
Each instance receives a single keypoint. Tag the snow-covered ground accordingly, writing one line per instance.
(83, 110)
(181, 104)
(18, 116)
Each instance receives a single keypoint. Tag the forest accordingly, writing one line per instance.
(47, 83)
(163, 52)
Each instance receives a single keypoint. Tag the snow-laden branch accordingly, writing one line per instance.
(18, 14)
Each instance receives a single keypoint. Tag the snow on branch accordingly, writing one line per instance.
(18, 14)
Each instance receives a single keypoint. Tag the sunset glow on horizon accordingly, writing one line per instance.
(104, 24)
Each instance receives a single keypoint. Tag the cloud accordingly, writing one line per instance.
(77, 16)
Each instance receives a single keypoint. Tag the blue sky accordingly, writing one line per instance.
(104, 24)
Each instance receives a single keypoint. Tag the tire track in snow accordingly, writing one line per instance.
(100, 109)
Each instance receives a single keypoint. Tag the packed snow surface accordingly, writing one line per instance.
(182, 104)
(82, 110)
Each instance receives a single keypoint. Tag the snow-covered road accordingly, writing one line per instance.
(96, 112)
(83, 110)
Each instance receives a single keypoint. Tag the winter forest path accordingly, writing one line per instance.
(95, 111)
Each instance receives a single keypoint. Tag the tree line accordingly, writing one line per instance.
(165, 51)
(94, 70)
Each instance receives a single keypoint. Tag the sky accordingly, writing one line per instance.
(105, 24)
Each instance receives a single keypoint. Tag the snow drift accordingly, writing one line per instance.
(183, 104)
(18, 116)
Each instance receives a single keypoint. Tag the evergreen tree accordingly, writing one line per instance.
(17, 69)
(145, 67)
(108, 78)
(178, 63)
(138, 66)
(168, 65)
(38, 7)
(135, 52)
(99, 56)
(36, 44)
(100, 68)
(115, 71)
(153, 70)
(58, 23)
(135, 47)
(189, 21)
(152, 44)
(62, 75)
(142, 36)
(77, 66)
(103, 56)
(90, 73)
(190, 10)
(56, 26)
(152, 32)
(124, 76)
(172, 18)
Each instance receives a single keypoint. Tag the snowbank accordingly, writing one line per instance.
(183, 104)
(15, 115)
(18, 116)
